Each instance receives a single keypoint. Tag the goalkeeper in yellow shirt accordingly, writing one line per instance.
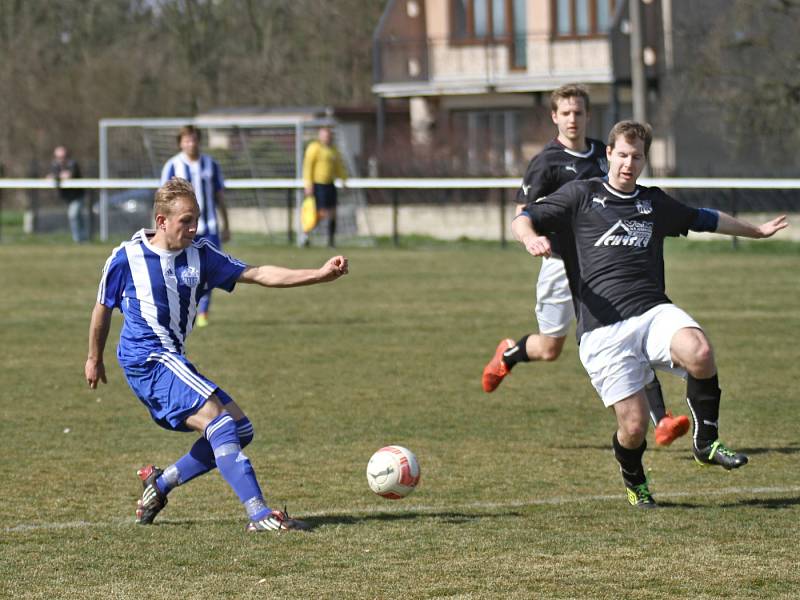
(322, 164)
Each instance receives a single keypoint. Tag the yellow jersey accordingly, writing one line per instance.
(322, 164)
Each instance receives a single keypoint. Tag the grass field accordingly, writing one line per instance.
(520, 495)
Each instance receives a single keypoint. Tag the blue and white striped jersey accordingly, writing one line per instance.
(206, 178)
(158, 290)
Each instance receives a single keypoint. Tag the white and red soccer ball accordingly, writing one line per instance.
(393, 472)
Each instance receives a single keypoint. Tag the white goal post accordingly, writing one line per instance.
(248, 149)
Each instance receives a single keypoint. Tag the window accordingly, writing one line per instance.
(459, 18)
(605, 13)
(482, 19)
(582, 26)
(520, 28)
(582, 18)
(499, 19)
(564, 17)
(491, 142)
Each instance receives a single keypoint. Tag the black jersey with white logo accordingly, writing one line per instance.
(615, 263)
(556, 165)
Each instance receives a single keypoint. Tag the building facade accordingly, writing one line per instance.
(477, 74)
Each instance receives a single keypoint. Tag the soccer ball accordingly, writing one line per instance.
(393, 472)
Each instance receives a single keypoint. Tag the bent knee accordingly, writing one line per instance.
(692, 350)
(705, 354)
(700, 360)
(634, 433)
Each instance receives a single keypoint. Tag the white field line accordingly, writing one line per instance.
(403, 507)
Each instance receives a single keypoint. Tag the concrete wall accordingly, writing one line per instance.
(479, 222)
(473, 221)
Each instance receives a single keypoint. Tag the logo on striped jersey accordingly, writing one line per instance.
(189, 276)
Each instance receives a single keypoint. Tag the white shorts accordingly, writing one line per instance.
(620, 358)
(554, 309)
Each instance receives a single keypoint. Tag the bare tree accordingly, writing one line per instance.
(744, 71)
(63, 70)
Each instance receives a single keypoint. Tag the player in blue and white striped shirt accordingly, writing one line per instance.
(205, 175)
(156, 280)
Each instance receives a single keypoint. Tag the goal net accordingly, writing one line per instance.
(261, 159)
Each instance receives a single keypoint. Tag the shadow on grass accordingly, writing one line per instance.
(651, 446)
(443, 516)
(674, 504)
(190, 523)
(787, 450)
(320, 520)
(769, 503)
(794, 449)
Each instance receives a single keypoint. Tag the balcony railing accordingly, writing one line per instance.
(408, 60)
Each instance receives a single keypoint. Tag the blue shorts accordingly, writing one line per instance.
(325, 196)
(171, 388)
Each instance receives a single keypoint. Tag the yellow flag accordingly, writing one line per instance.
(308, 214)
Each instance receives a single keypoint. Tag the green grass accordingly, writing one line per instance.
(520, 496)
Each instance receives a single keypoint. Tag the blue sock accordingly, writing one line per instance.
(234, 466)
(245, 430)
(205, 302)
(199, 460)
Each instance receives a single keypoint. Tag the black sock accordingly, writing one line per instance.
(702, 396)
(630, 462)
(331, 231)
(516, 354)
(655, 400)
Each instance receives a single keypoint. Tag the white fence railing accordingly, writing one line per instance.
(294, 186)
(407, 183)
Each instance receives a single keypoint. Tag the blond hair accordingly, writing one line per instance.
(168, 194)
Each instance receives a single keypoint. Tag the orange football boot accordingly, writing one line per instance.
(496, 369)
(671, 428)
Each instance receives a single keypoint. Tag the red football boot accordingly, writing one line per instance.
(671, 428)
(496, 369)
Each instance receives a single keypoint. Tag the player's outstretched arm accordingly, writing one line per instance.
(732, 226)
(95, 370)
(522, 228)
(271, 276)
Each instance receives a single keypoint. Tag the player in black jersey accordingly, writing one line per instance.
(626, 323)
(568, 157)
